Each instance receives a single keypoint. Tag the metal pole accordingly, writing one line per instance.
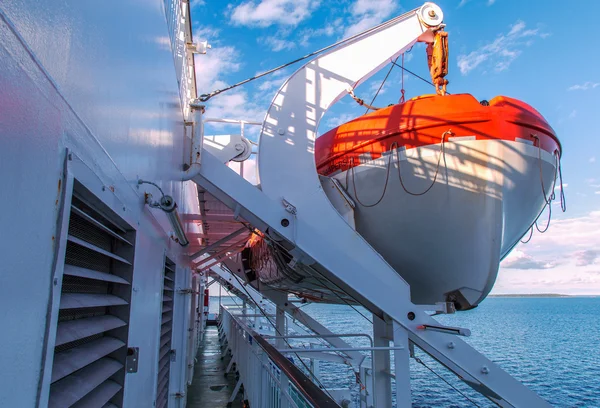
(401, 364)
(323, 349)
(382, 383)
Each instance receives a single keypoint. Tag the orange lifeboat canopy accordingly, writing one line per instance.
(423, 120)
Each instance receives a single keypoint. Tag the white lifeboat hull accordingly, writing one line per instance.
(448, 242)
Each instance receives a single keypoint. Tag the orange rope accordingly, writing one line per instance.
(437, 59)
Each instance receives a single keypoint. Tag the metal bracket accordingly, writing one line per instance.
(440, 308)
(131, 361)
(446, 329)
(187, 291)
(289, 207)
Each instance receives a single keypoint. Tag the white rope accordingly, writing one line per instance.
(360, 101)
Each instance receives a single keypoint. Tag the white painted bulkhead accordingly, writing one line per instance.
(97, 80)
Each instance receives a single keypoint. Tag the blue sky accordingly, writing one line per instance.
(539, 51)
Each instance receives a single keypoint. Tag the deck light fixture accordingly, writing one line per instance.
(169, 206)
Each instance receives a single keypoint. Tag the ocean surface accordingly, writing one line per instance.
(550, 344)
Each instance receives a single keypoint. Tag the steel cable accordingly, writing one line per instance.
(418, 360)
(394, 148)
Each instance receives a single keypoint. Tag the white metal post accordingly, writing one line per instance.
(401, 363)
(280, 299)
(200, 316)
(366, 391)
(382, 382)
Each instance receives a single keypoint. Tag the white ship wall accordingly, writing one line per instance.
(97, 79)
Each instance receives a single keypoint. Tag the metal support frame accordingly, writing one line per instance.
(231, 248)
(230, 365)
(401, 364)
(317, 235)
(269, 378)
(354, 358)
(218, 243)
(236, 390)
(382, 383)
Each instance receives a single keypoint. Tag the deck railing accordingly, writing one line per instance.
(270, 380)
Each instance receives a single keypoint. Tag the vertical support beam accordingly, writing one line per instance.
(401, 364)
(281, 301)
(201, 315)
(382, 381)
(235, 392)
(280, 321)
(314, 366)
(366, 393)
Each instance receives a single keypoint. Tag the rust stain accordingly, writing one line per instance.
(58, 193)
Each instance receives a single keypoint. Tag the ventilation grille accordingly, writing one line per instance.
(166, 328)
(90, 352)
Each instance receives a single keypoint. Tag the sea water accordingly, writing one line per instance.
(552, 345)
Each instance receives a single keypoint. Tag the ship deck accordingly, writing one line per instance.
(210, 386)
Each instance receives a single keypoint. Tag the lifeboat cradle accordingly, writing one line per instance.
(293, 209)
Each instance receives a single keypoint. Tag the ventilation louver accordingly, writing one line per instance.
(91, 337)
(166, 328)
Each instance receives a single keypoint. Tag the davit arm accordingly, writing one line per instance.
(288, 176)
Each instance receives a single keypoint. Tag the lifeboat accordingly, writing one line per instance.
(444, 187)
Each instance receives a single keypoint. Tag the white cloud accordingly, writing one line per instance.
(569, 282)
(572, 114)
(197, 3)
(584, 87)
(212, 69)
(265, 13)
(520, 260)
(463, 2)
(592, 159)
(277, 44)
(587, 257)
(593, 182)
(327, 31)
(207, 33)
(571, 234)
(501, 52)
(164, 43)
(573, 241)
(368, 13)
(216, 63)
(270, 83)
(374, 87)
(338, 120)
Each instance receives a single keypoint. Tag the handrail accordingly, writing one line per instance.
(307, 388)
(233, 122)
